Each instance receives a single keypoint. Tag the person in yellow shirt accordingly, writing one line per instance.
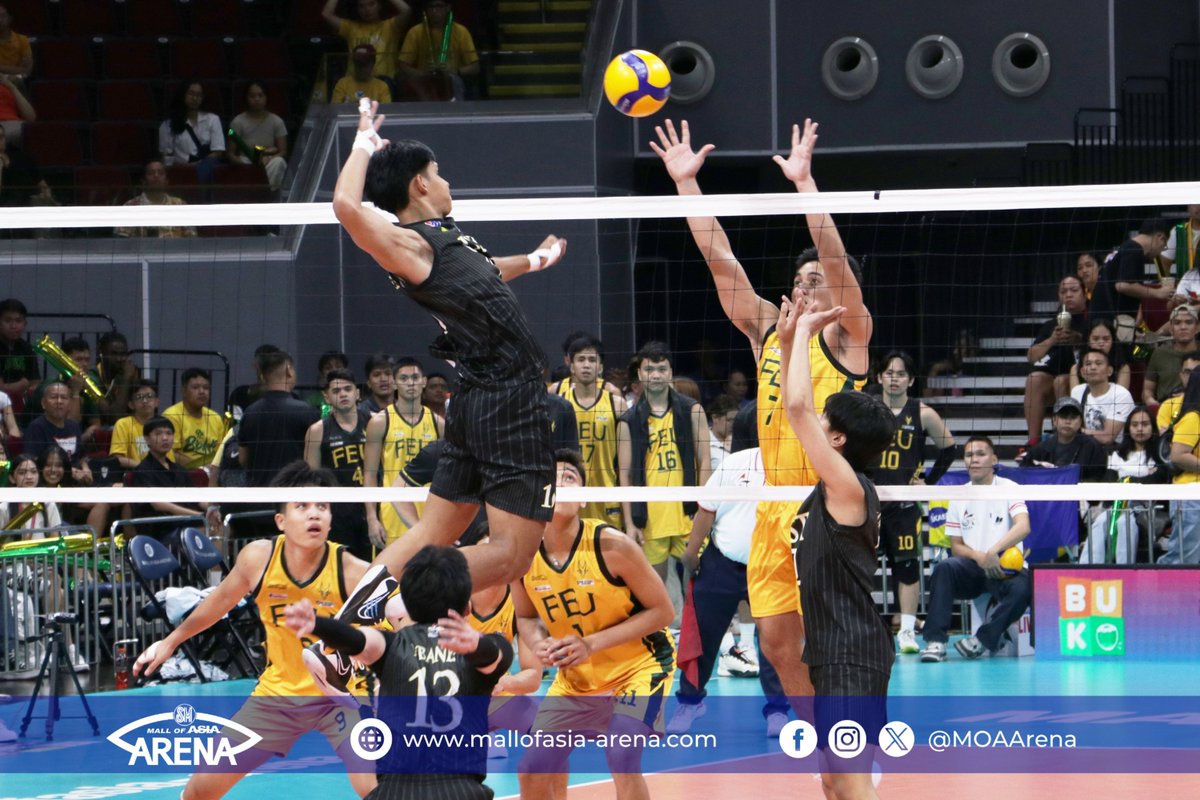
(128, 442)
(198, 429)
(1168, 412)
(1183, 545)
(436, 53)
(384, 35)
(16, 56)
(361, 82)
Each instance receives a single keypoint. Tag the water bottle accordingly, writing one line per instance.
(124, 652)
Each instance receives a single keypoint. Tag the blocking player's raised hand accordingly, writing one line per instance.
(675, 149)
(300, 617)
(797, 167)
(456, 634)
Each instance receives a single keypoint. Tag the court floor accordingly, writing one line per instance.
(999, 678)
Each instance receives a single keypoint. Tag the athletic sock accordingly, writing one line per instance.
(746, 634)
(908, 622)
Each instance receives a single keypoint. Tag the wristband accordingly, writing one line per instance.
(547, 254)
(485, 653)
(367, 141)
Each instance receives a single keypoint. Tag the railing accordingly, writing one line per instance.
(85, 326)
(215, 362)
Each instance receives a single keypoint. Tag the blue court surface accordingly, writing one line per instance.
(1173, 685)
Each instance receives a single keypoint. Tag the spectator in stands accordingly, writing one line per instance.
(979, 531)
(1162, 371)
(1052, 354)
(383, 35)
(190, 135)
(436, 53)
(1068, 445)
(27, 475)
(154, 193)
(19, 373)
(737, 386)
(117, 375)
(128, 444)
(328, 362)
(16, 56)
(1101, 336)
(264, 133)
(1122, 284)
(53, 427)
(20, 177)
(688, 387)
(242, 396)
(271, 434)
(1187, 290)
(381, 383)
(158, 471)
(83, 409)
(361, 82)
(721, 410)
(56, 470)
(1087, 267)
(1183, 546)
(8, 423)
(1168, 412)
(15, 109)
(197, 430)
(1106, 405)
(436, 393)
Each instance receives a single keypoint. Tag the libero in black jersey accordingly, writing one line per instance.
(498, 450)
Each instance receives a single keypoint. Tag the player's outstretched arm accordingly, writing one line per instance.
(751, 314)
(797, 167)
(530, 631)
(372, 453)
(547, 254)
(366, 645)
(241, 580)
(486, 653)
(843, 493)
(399, 251)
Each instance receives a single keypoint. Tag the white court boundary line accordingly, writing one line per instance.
(651, 207)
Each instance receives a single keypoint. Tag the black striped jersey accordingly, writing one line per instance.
(901, 460)
(836, 567)
(342, 450)
(485, 332)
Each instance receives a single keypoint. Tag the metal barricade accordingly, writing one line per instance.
(68, 570)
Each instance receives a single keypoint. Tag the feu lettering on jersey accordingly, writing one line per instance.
(899, 462)
(784, 460)
(286, 674)
(581, 598)
(502, 620)
(342, 450)
(664, 467)
(598, 446)
(401, 441)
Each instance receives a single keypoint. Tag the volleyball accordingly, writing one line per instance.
(1012, 561)
(637, 83)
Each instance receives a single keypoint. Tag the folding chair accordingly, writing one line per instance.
(200, 556)
(152, 564)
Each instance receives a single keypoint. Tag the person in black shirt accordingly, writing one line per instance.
(1068, 446)
(157, 471)
(1052, 355)
(498, 431)
(337, 443)
(848, 648)
(271, 434)
(438, 656)
(1122, 284)
(19, 373)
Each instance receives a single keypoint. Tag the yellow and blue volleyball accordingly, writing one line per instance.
(1012, 561)
(637, 83)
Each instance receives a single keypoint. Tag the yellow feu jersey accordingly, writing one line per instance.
(597, 434)
(401, 441)
(286, 674)
(664, 467)
(784, 459)
(503, 620)
(583, 597)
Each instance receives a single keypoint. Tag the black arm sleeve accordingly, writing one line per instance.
(491, 647)
(945, 458)
(340, 636)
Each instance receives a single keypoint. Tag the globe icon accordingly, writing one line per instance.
(371, 739)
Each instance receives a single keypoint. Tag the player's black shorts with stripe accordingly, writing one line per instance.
(498, 450)
(848, 692)
(900, 531)
(429, 787)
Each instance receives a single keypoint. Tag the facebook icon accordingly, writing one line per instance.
(798, 739)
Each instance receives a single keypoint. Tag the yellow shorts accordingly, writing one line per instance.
(771, 570)
(280, 721)
(640, 697)
(658, 550)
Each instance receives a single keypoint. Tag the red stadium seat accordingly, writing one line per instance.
(127, 100)
(199, 58)
(219, 18)
(61, 101)
(263, 59)
(153, 18)
(132, 58)
(54, 144)
(279, 96)
(65, 59)
(124, 143)
(182, 180)
(87, 18)
(101, 186)
(33, 18)
(306, 20)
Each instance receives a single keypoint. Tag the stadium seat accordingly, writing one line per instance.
(124, 143)
(199, 58)
(61, 101)
(263, 59)
(200, 556)
(152, 566)
(182, 182)
(101, 186)
(132, 58)
(279, 97)
(87, 18)
(154, 18)
(53, 144)
(33, 18)
(118, 101)
(306, 21)
(63, 59)
(219, 18)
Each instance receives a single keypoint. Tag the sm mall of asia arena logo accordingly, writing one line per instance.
(1091, 621)
(183, 737)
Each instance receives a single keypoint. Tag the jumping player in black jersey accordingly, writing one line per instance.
(900, 465)
(336, 443)
(848, 648)
(435, 676)
(497, 431)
